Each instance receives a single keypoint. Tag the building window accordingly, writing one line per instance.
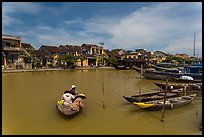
(93, 51)
(7, 44)
(13, 45)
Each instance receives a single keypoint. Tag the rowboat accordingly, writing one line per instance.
(152, 96)
(169, 103)
(73, 108)
(185, 86)
(174, 70)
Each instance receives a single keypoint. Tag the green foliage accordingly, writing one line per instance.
(70, 59)
(99, 60)
(170, 59)
(111, 60)
(179, 60)
(50, 65)
(37, 65)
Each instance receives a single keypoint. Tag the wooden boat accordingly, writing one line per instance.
(174, 70)
(160, 75)
(186, 86)
(186, 81)
(127, 64)
(122, 67)
(170, 103)
(73, 108)
(152, 96)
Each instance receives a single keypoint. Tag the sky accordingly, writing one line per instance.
(164, 26)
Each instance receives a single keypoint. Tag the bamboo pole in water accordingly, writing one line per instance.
(140, 83)
(163, 109)
(103, 85)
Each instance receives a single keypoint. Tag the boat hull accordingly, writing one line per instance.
(72, 108)
(186, 86)
(170, 103)
(151, 96)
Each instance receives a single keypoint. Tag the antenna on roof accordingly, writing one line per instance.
(194, 45)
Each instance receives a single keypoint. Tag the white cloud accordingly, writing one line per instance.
(186, 45)
(166, 26)
(21, 7)
(160, 24)
(10, 8)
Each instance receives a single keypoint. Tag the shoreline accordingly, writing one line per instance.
(52, 69)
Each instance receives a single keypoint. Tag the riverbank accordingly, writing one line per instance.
(51, 69)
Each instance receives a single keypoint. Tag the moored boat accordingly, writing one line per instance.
(174, 70)
(160, 75)
(185, 86)
(169, 103)
(152, 96)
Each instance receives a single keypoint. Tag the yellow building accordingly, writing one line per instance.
(14, 54)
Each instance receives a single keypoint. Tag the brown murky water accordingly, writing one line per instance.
(29, 98)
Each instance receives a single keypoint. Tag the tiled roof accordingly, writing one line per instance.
(115, 51)
(38, 53)
(26, 45)
(70, 48)
(160, 53)
(49, 49)
(11, 37)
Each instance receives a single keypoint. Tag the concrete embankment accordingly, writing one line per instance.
(51, 69)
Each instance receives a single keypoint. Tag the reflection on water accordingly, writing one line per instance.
(29, 98)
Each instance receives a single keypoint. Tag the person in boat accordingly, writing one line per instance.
(72, 90)
(68, 98)
(72, 101)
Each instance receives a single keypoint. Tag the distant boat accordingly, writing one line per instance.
(185, 86)
(122, 67)
(170, 103)
(174, 70)
(126, 64)
(169, 65)
(160, 75)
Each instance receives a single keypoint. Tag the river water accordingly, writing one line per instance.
(29, 99)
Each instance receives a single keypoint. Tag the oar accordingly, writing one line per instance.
(163, 110)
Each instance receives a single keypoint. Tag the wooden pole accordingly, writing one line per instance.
(140, 83)
(163, 110)
(103, 85)
(103, 93)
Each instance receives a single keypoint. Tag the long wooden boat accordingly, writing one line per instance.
(174, 70)
(186, 81)
(72, 108)
(122, 67)
(160, 75)
(185, 86)
(170, 103)
(152, 96)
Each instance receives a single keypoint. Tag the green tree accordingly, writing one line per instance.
(169, 59)
(111, 61)
(69, 59)
(179, 60)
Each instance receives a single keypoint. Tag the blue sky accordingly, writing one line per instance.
(166, 26)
